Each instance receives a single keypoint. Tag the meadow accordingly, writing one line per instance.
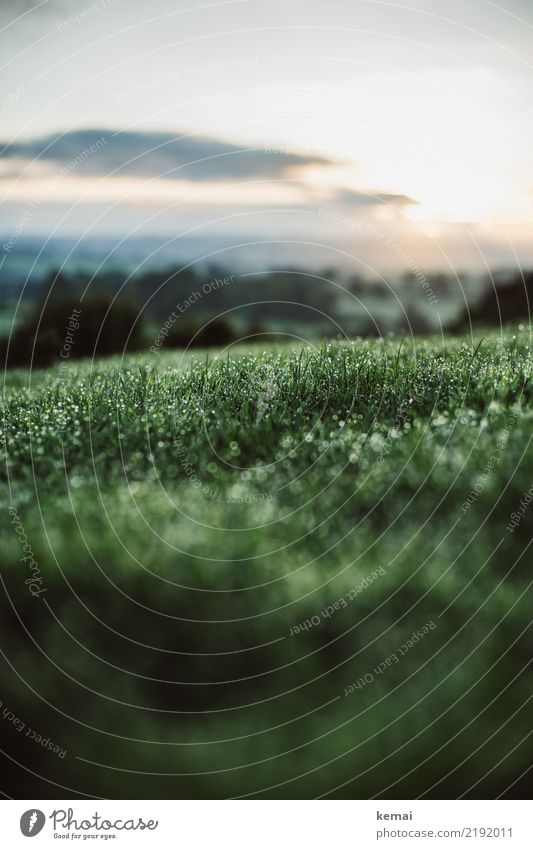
(276, 571)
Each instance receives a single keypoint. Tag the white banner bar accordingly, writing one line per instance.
(269, 824)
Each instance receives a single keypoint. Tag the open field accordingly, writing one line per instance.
(227, 558)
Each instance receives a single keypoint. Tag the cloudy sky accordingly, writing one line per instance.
(304, 118)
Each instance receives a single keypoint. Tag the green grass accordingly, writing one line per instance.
(161, 652)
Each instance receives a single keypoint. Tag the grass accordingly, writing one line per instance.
(189, 513)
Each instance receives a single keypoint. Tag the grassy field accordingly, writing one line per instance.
(278, 572)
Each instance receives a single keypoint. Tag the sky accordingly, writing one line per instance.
(363, 120)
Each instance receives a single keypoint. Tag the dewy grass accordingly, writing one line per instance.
(185, 519)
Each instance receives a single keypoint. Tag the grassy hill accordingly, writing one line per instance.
(282, 572)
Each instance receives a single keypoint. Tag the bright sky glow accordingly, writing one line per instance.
(422, 106)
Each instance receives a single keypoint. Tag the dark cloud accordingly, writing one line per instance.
(159, 154)
(14, 9)
(349, 197)
(154, 154)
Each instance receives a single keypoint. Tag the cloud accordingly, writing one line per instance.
(16, 9)
(351, 197)
(156, 154)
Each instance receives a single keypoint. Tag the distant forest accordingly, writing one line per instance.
(113, 312)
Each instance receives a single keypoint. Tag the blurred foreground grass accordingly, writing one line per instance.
(221, 546)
